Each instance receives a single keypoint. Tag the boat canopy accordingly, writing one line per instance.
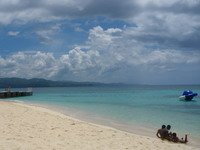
(189, 93)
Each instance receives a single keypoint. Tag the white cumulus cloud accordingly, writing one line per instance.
(13, 33)
(109, 55)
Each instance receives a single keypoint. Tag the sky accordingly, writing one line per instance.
(110, 41)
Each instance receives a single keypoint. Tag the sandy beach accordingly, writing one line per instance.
(31, 127)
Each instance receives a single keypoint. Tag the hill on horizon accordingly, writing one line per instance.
(39, 82)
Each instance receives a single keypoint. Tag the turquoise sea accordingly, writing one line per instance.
(138, 109)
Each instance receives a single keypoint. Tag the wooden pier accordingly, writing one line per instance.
(9, 94)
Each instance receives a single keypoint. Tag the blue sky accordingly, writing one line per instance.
(132, 41)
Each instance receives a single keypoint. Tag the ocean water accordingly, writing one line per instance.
(131, 108)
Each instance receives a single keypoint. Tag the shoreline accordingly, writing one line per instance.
(43, 125)
(139, 129)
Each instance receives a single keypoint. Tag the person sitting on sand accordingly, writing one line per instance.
(168, 134)
(175, 139)
(168, 127)
(162, 133)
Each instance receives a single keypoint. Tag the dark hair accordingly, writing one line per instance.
(163, 126)
(168, 127)
(174, 134)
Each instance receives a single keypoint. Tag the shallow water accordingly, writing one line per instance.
(126, 107)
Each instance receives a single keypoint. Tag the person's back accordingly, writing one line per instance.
(162, 133)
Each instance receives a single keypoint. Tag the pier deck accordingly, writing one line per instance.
(6, 94)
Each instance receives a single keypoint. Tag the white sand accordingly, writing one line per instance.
(32, 128)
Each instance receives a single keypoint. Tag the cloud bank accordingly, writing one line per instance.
(159, 45)
(108, 56)
(48, 10)
(175, 23)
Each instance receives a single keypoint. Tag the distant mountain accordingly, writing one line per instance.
(37, 82)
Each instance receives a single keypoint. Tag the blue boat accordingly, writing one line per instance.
(187, 95)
